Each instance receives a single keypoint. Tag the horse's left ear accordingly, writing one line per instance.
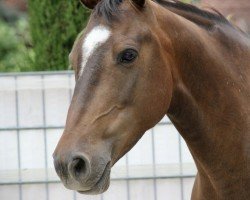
(139, 3)
(89, 3)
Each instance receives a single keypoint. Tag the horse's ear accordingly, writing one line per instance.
(89, 3)
(139, 3)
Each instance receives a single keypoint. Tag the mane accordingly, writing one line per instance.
(199, 16)
(109, 9)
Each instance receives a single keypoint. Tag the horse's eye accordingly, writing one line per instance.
(127, 56)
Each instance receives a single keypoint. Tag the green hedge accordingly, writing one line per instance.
(54, 26)
(16, 51)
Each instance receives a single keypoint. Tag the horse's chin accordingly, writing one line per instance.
(101, 186)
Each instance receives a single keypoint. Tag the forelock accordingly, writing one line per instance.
(108, 9)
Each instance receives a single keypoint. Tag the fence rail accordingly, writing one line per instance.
(30, 133)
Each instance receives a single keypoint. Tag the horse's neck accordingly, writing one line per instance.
(210, 105)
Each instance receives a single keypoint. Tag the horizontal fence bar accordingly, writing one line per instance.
(31, 128)
(53, 127)
(46, 73)
(113, 179)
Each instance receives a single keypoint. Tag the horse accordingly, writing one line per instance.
(139, 60)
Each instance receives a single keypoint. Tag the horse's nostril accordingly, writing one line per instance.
(79, 167)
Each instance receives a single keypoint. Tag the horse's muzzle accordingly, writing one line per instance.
(79, 173)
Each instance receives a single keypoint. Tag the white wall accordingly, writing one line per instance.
(25, 96)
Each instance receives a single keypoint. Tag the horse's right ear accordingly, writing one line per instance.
(89, 3)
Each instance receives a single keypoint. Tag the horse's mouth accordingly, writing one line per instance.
(101, 185)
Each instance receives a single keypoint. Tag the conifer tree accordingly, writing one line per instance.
(54, 26)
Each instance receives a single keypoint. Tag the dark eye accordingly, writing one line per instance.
(127, 56)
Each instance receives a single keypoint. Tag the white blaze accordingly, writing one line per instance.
(96, 37)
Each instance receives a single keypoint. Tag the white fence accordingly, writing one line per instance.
(33, 110)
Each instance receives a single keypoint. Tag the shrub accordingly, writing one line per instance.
(15, 52)
(54, 26)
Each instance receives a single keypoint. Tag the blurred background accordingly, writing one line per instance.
(35, 91)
